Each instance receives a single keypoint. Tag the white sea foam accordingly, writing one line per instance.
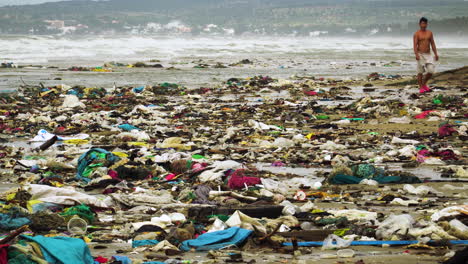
(50, 49)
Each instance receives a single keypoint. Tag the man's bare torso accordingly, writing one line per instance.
(424, 41)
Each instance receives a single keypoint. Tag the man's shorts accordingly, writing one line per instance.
(425, 63)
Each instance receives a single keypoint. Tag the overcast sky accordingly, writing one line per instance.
(24, 2)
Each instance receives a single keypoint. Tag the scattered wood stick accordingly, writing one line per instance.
(14, 234)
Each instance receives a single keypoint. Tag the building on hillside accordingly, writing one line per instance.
(55, 24)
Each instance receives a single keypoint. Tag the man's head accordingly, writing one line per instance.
(423, 23)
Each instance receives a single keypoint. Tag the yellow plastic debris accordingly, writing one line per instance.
(30, 204)
(76, 141)
(136, 143)
(310, 135)
(121, 154)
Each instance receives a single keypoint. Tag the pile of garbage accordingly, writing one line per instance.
(169, 171)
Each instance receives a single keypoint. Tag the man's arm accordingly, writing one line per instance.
(434, 48)
(415, 45)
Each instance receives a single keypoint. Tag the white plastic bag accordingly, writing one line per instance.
(177, 217)
(333, 241)
(432, 231)
(274, 186)
(395, 224)
(283, 143)
(397, 140)
(407, 151)
(449, 211)
(369, 182)
(261, 126)
(355, 215)
(400, 201)
(400, 120)
(242, 220)
(289, 208)
(330, 145)
(458, 229)
(218, 225)
(72, 101)
(420, 190)
(217, 169)
(307, 207)
(455, 223)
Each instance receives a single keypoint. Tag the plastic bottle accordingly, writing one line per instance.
(306, 226)
(345, 253)
(119, 217)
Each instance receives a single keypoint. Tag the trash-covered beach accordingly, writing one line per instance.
(300, 169)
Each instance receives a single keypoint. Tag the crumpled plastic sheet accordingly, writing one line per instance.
(216, 170)
(64, 196)
(354, 214)
(170, 157)
(450, 211)
(395, 225)
(135, 199)
(420, 190)
(239, 219)
(334, 241)
(72, 101)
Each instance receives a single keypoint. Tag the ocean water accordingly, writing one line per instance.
(275, 56)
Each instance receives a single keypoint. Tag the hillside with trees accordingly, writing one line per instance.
(255, 16)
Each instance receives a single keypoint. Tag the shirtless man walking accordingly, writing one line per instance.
(422, 42)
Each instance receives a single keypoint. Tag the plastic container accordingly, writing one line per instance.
(77, 226)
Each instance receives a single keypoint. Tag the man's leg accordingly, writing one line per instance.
(430, 71)
(420, 80)
(426, 78)
(420, 70)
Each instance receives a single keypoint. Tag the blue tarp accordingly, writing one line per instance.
(123, 259)
(138, 89)
(128, 127)
(63, 250)
(217, 240)
(144, 242)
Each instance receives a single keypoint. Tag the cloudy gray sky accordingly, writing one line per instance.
(24, 2)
